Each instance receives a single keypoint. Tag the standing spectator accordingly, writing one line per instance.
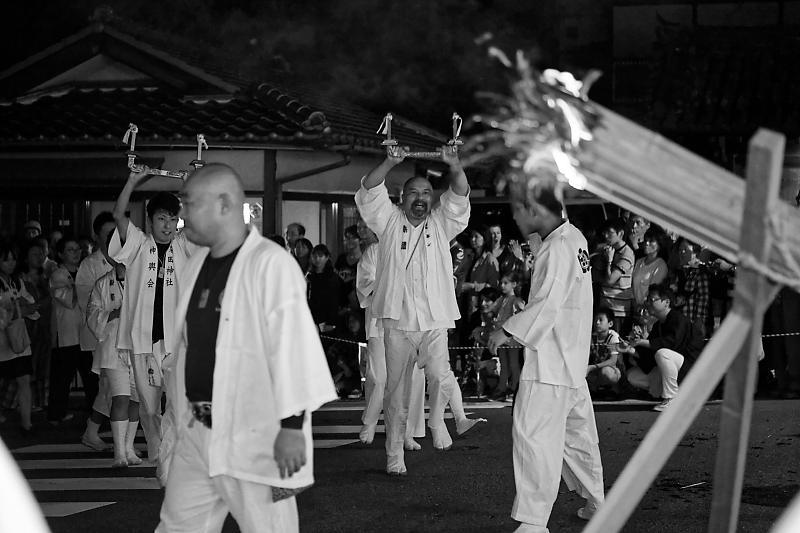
(346, 265)
(67, 356)
(302, 253)
(634, 236)
(614, 275)
(462, 264)
(49, 266)
(324, 287)
(650, 269)
(294, 232)
(32, 274)
(692, 287)
(31, 230)
(55, 236)
(15, 303)
(485, 271)
(508, 305)
(506, 260)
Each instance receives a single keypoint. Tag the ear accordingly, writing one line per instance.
(226, 202)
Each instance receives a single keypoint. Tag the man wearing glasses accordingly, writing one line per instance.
(664, 358)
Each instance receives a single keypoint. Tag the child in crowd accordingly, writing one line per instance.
(603, 372)
(484, 366)
(510, 356)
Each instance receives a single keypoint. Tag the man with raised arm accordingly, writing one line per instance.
(554, 432)
(153, 263)
(414, 295)
(249, 370)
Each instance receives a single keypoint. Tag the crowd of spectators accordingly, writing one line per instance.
(654, 292)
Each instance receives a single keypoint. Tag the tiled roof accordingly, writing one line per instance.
(727, 81)
(248, 113)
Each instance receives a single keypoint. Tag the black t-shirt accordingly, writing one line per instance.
(202, 323)
(158, 302)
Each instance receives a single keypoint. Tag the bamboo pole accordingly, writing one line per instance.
(764, 160)
(652, 176)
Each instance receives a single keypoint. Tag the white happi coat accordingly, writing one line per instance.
(556, 325)
(365, 287)
(269, 364)
(92, 268)
(105, 298)
(389, 222)
(139, 254)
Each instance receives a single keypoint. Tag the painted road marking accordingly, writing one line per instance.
(64, 464)
(62, 509)
(65, 448)
(467, 405)
(94, 483)
(333, 443)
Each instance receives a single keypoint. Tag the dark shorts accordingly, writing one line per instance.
(19, 366)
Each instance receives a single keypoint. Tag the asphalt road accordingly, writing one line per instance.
(467, 489)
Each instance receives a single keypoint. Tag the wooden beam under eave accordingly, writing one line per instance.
(650, 175)
(271, 212)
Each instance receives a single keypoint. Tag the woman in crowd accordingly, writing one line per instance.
(485, 270)
(302, 252)
(651, 269)
(15, 361)
(31, 270)
(324, 287)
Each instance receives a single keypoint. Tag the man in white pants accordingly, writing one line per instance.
(375, 375)
(249, 370)
(154, 263)
(554, 433)
(414, 294)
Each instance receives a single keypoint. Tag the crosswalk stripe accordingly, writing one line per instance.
(64, 448)
(107, 434)
(62, 509)
(327, 430)
(467, 405)
(65, 464)
(333, 443)
(94, 483)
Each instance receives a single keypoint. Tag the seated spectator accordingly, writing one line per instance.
(665, 357)
(613, 277)
(604, 370)
(343, 358)
(510, 356)
(302, 252)
(324, 287)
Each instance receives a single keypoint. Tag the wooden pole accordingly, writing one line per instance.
(271, 204)
(764, 161)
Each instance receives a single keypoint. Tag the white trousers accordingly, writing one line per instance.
(554, 436)
(197, 503)
(662, 381)
(149, 396)
(375, 387)
(428, 349)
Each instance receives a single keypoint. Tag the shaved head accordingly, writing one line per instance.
(213, 201)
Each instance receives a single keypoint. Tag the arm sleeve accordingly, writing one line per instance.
(298, 370)
(375, 207)
(553, 268)
(452, 212)
(61, 288)
(671, 331)
(126, 253)
(96, 314)
(84, 283)
(365, 275)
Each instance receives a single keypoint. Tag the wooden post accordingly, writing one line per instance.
(764, 160)
(727, 342)
(271, 212)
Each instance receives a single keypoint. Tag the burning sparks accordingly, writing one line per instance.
(541, 127)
